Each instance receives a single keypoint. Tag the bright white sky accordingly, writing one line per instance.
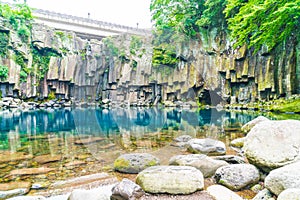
(124, 12)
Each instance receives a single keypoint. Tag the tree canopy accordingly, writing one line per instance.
(252, 22)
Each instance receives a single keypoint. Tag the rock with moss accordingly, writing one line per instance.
(171, 179)
(135, 162)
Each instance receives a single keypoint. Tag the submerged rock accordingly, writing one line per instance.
(31, 171)
(135, 162)
(205, 164)
(273, 144)
(206, 146)
(126, 189)
(171, 179)
(283, 178)
(237, 176)
(8, 190)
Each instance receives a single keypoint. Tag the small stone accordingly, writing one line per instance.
(239, 142)
(88, 195)
(231, 159)
(171, 179)
(135, 162)
(265, 194)
(183, 138)
(89, 140)
(126, 189)
(222, 193)
(237, 176)
(206, 146)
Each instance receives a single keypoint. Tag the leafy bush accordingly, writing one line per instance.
(3, 72)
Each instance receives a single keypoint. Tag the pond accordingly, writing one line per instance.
(74, 142)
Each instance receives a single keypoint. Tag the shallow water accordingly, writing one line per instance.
(77, 142)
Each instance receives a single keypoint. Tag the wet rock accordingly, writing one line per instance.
(47, 159)
(231, 159)
(248, 126)
(205, 164)
(8, 190)
(272, 144)
(239, 142)
(283, 178)
(73, 164)
(237, 176)
(171, 179)
(222, 193)
(6, 157)
(31, 171)
(181, 141)
(206, 146)
(135, 162)
(265, 194)
(126, 190)
(289, 194)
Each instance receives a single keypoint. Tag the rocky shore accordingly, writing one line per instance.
(266, 166)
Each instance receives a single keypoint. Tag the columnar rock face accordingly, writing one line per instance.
(120, 69)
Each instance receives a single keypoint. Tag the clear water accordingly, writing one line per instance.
(88, 140)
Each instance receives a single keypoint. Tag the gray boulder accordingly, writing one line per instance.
(289, 194)
(171, 179)
(206, 146)
(283, 178)
(273, 144)
(237, 176)
(135, 162)
(265, 194)
(205, 164)
(248, 126)
(222, 193)
(126, 190)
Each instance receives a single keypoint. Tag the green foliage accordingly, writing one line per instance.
(41, 58)
(4, 40)
(51, 95)
(164, 54)
(112, 49)
(263, 22)
(19, 18)
(3, 72)
(135, 44)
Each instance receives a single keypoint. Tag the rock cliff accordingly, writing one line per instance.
(60, 64)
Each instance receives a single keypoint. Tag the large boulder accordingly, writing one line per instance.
(293, 193)
(222, 193)
(171, 179)
(135, 162)
(283, 178)
(248, 126)
(273, 144)
(206, 146)
(237, 176)
(205, 164)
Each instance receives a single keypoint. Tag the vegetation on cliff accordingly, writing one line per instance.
(254, 22)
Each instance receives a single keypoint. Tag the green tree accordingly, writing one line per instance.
(263, 22)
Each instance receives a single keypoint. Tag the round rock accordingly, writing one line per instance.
(171, 179)
(222, 193)
(206, 146)
(273, 144)
(237, 176)
(283, 178)
(205, 164)
(126, 189)
(293, 193)
(135, 162)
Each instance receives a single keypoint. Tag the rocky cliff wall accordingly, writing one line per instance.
(120, 69)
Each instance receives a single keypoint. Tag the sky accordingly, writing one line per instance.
(124, 12)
